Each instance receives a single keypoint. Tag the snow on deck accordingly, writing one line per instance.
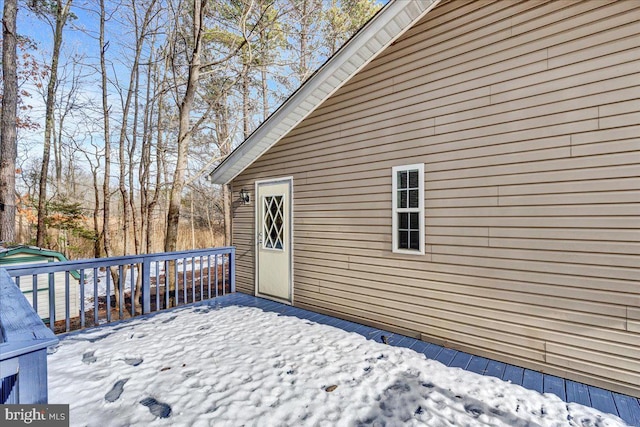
(207, 365)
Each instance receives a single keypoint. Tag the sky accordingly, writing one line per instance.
(212, 366)
(79, 49)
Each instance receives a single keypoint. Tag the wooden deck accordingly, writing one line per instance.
(626, 407)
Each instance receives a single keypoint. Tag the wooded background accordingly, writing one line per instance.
(114, 112)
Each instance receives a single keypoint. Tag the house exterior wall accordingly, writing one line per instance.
(26, 286)
(526, 116)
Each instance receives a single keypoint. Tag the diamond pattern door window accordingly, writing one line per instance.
(273, 222)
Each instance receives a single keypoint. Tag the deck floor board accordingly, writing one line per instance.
(461, 360)
(478, 365)
(514, 374)
(495, 369)
(603, 400)
(626, 407)
(432, 351)
(533, 380)
(577, 392)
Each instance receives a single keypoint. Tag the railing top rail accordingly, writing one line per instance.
(22, 330)
(27, 269)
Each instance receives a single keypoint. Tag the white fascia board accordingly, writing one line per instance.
(390, 23)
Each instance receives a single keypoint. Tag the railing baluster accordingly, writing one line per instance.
(224, 270)
(208, 276)
(176, 291)
(82, 320)
(232, 269)
(201, 285)
(34, 284)
(193, 279)
(108, 282)
(67, 316)
(166, 284)
(52, 302)
(95, 295)
(120, 292)
(146, 286)
(133, 268)
(157, 287)
(216, 274)
(184, 281)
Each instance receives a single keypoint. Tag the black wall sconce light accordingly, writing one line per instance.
(244, 197)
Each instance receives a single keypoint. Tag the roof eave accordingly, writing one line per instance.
(395, 18)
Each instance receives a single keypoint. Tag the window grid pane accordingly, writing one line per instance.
(408, 208)
(409, 230)
(402, 199)
(413, 179)
(413, 198)
(402, 179)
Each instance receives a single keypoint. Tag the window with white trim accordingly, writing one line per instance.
(408, 209)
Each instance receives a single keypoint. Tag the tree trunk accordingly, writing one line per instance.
(96, 213)
(127, 207)
(226, 202)
(8, 138)
(97, 250)
(57, 157)
(132, 150)
(265, 93)
(159, 162)
(184, 130)
(62, 13)
(184, 138)
(145, 157)
(124, 195)
(106, 189)
(246, 110)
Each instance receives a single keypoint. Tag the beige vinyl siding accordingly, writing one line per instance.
(526, 116)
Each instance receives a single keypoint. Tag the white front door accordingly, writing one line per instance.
(273, 227)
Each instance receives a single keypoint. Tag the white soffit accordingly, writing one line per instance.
(387, 26)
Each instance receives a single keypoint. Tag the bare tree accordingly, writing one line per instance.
(106, 109)
(60, 12)
(97, 250)
(149, 199)
(8, 135)
(154, 109)
(271, 37)
(304, 22)
(141, 28)
(67, 104)
(185, 131)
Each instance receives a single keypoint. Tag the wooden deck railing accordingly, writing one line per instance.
(144, 284)
(23, 347)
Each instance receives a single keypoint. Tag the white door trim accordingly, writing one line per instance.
(257, 228)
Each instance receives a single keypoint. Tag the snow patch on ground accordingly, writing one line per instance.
(242, 366)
